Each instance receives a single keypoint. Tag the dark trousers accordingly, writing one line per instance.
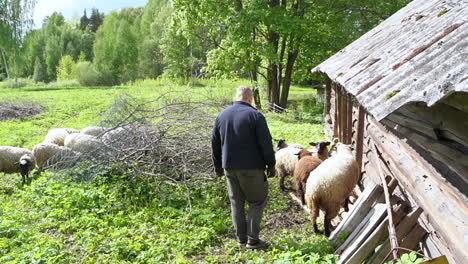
(250, 186)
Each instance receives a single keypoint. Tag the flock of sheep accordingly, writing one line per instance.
(59, 142)
(322, 181)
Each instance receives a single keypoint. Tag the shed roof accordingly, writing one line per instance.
(418, 54)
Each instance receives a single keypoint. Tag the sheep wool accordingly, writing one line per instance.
(43, 152)
(286, 160)
(330, 184)
(58, 135)
(16, 160)
(305, 165)
(83, 143)
(93, 130)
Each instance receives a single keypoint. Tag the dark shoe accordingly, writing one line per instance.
(261, 243)
(241, 243)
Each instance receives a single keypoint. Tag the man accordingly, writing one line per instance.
(242, 149)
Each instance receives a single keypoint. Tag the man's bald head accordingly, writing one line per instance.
(244, 94)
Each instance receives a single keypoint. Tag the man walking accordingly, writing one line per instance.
(242, 149)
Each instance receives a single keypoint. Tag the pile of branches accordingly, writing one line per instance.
(165, 139)
(19, 110)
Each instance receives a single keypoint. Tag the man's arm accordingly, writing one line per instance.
(264, 141)
(216, 155)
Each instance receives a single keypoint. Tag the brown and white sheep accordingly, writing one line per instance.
(330, 184)
(305, 165)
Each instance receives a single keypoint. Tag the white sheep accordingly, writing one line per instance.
(83, 143)
(286, 160)
(16, 160)
(93, 131)
(330, 184)
(48, 154)
(57, 135)
(281, 144)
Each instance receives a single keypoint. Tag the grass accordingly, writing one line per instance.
(57, 219)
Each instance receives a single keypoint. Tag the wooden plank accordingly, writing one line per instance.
(358, 212)
(439, 260)
(446, 208)
(349, 125)
(458, 100)
(369, 242)
(360, 137)
(413, 238)
(369, 223)
(402, 230)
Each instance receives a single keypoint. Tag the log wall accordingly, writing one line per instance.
(425, 150)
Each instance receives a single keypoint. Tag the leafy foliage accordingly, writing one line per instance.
(408, 258)
(116, 46)
(66, 69)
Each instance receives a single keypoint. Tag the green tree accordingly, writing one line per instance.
(95, 20)
(116, 46)
(266, 38)
(40, 74)
(84, 21)
(152, 27)
(16, 20)
(66, 68)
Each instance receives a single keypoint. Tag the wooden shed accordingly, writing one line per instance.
(399, 95)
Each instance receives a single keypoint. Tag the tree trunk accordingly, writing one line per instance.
(292, 56)
(6, 64)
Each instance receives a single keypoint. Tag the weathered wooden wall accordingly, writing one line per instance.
(421, 184)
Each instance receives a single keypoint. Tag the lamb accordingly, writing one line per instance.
(16, 160)
(305, 165)
(286, 160)
(57, 135)
(44, 152)
(281, 144)
(83, 143)
(321, 149)
(93, 131)
(330, 184)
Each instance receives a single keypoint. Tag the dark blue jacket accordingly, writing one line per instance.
(241, 139)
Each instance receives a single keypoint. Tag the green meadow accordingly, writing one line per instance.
(62, 219)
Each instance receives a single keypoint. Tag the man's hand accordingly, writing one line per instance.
(219, 172)
(271, 171)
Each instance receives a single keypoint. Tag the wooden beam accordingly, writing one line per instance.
(369, 223)
(349, 125)
(360, 136)
(402, 230)
(366, 244)
(361, 208)
(447, 209)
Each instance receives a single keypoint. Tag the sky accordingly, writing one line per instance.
(74, 8)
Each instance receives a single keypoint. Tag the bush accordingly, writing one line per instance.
(17, 83)
(66, 68)
(87, 74)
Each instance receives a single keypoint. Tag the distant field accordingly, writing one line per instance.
(59, 219)
(78, 107)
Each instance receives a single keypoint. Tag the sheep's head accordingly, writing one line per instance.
(26, 163)
(280, 144)
(303, 153)
(340, 148)
(321, 146)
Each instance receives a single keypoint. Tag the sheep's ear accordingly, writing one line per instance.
(335, 140)
(297, 154)
(313, 144)
(327, 143)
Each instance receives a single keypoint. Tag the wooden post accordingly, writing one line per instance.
(391, 227)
